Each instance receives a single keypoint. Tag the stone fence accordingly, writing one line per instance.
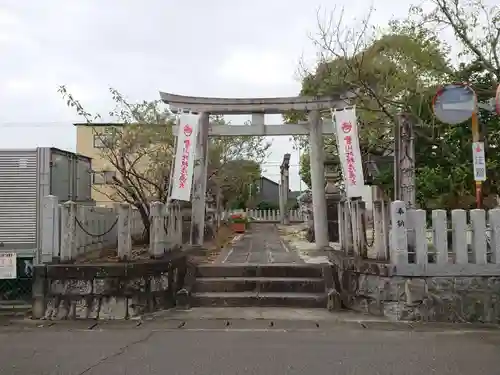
(474, 247)
(449, 271)
(70, 230)
(268, 216)
(120, 290)
(415, 239)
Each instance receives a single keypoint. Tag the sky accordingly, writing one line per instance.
(218, 48)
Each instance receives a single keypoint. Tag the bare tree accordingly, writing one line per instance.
(475, 25)
(139, 147)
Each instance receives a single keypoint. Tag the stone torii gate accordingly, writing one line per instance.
(257, 108)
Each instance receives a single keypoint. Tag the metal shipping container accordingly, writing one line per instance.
(26, 176)
(70, 176)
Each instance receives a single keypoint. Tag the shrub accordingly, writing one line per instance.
(239, 218)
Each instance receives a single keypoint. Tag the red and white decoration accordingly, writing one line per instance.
(349, 151)
(182, 179)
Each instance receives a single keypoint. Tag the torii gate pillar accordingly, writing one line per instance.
(200, 182)
(317, 159)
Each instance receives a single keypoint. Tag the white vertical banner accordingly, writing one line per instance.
(479, 161)
(182, 179)
(346, 128)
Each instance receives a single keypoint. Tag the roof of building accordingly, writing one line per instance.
(268, 179)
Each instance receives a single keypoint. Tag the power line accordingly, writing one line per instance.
(34, 124)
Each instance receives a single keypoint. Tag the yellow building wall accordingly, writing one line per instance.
(85, 146)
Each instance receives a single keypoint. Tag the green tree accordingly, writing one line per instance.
(305, 169)
(445, 176)
(399, 69)
(234, 166)
(386, 72)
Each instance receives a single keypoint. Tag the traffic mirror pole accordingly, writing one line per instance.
(476, 138)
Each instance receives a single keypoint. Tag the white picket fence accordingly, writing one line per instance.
(474, 248)
(70, 230)
(273, 216)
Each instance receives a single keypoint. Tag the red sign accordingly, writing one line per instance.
(188, 130)
(349, 155)
(346, 127)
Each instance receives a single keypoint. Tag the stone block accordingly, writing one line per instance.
(57, 287)
(113, 308)
(392, 288)
(392, 310)
(158, 283)
(100, 286)
(334, 301)
(369, 285)
(79, 287)
(438, 284)
(415, 291)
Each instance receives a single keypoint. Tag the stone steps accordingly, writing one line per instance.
(260, 284)
(267, 285)
(260, 270)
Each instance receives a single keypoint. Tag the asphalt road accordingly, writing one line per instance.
(155, 349)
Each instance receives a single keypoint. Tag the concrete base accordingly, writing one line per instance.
(258, 313)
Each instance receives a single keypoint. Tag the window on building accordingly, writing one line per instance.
(103, 177)
(100, 140)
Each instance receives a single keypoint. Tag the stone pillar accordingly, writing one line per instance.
(346, 229)
(361, 219)
(68, 231)
(286, 182)
(281, 200)
(379, 230)
(124, 231)
(200, 182)
(283, 190)
(399, 238)
(50, 235)
(333, 199)
(317, 179)
(157, 239)
(407, 162)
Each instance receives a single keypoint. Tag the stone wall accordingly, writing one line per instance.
(111, 290)
(373, 288)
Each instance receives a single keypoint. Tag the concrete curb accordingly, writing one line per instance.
(162, 323)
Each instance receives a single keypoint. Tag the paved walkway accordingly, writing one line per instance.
(261, 244)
